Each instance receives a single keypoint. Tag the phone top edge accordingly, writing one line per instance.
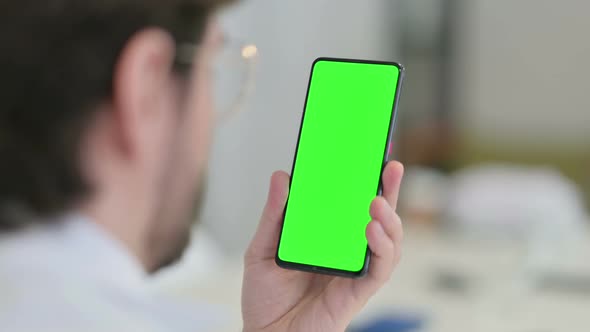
(400, 67)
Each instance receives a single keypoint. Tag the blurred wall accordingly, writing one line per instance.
(524, 73)
(290, 35)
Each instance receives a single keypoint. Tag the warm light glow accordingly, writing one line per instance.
(249, 51)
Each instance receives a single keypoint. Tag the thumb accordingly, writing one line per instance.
(264, 243)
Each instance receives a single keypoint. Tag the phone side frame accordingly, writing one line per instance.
(386, 155)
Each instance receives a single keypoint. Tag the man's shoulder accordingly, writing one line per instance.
(71, 279)
(42, 290)
(35, 299)
(55, 304)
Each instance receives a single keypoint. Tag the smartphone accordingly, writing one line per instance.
(344, 143)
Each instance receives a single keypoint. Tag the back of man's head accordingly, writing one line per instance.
(56, 66)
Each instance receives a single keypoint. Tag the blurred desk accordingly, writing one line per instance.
(457, 284)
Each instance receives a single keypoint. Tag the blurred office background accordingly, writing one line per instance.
(494, 129)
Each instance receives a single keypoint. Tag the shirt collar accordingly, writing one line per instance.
(98, 254)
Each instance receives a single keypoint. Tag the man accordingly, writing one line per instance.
(104, 138)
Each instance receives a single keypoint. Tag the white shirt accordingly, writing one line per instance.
(73, 277)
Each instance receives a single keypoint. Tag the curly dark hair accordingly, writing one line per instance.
(57, 59)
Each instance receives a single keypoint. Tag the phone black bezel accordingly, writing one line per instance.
(326, 270)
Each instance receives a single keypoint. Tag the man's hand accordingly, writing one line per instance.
(274, 299)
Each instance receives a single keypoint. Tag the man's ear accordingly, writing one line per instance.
(141, 78)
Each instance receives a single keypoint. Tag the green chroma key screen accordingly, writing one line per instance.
(338, 164)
